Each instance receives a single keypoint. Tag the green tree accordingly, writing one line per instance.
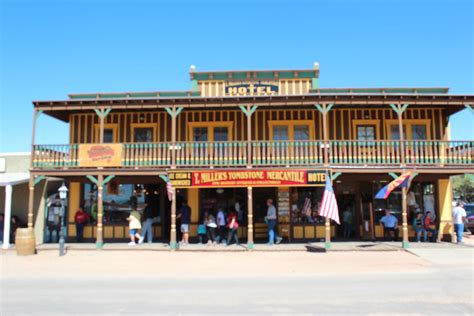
(463, 187)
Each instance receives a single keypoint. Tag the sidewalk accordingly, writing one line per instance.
(337, 246)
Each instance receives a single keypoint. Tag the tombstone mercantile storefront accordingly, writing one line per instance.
(238, 138)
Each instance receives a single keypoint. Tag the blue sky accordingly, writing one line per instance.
(52, 48)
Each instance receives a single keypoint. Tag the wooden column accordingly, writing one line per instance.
(173, 244)
(102, 114)
(173, 139)
(405, 243)
(399, 109)
(31, 184)
(325, 135)
(7, 216)
(100, 212)
(249, 218)
(248, 111)
(31, 199)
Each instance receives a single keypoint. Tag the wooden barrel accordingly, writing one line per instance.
(25, 242)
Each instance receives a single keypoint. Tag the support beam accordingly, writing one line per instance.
(7, 216)
(470, 107)
(405, 242)
(248, 111)
(100, 212)
(107, 180)
(173, 112)
(173, 243)
(399, 109)
(324, 110)
(31, 200)
(93, 179)
(249, 218)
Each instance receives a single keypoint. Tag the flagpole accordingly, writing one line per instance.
(327, 225)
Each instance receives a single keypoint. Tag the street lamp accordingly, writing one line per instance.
(62, 197)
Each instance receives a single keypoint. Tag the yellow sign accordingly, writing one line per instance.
(100, 155)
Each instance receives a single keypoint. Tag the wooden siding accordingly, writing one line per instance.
(83, 130)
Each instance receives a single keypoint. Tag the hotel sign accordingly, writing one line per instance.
(240, 88)
(248, 178)
(100, 155)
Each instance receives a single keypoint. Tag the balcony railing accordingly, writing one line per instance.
(343, 153)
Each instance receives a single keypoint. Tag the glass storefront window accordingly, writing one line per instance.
(304, 205)
(119, 200)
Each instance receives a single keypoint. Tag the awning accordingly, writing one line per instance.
(13, 178)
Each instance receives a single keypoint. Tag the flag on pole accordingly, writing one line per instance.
(400, 182)
(169, 188)
(329, 207)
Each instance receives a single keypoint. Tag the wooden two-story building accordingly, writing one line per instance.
(238, 138)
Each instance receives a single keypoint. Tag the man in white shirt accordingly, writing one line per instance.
(459, 216)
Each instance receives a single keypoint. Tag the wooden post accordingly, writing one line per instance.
(101, 132)
(173, 141)
(100, 212)
(405, 243)
(325, 136)
(249, 218)
(402, 136)
(31, 187)
(249, 137)
(173, 244)
(31, 199)
(327, 226)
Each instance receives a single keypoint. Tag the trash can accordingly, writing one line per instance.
(25, 242)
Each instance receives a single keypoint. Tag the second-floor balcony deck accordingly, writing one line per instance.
(240, 154)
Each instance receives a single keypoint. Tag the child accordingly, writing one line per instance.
(134, 225)
(202, 229)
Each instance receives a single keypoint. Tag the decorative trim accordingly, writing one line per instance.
(38, 180)
(248, 113)
(93, 179)
(106, 180)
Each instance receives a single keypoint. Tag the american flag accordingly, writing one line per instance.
(329, 204)
(169, 189)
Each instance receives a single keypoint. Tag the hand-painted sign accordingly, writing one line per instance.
(100, 155)
(233, 88)
(248, 178)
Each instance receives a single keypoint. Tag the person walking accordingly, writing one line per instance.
(221, 226)
(270, 219)
(347, 222)
(80, 219)
(134, 225)
(459, 217)
(147, 229)
(185, 216)
(233, 228)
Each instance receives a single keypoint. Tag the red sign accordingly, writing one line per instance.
(249, 178)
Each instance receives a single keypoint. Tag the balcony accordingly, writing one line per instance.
(235, 154)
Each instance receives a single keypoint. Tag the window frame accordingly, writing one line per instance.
(133, 126)
(291, 127)
(210, 129)
(408, 125)
(356, 123)
(112, 126)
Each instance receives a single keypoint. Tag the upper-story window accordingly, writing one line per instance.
(412, 129)
(210, 131)
(143, 133)
(110, 133)
(366, 130)
(291, 130)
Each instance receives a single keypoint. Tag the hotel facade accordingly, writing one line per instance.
(238, 138)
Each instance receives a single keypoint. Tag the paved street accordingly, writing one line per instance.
(424, 282)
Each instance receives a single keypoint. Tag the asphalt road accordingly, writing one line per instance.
(432, 289)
